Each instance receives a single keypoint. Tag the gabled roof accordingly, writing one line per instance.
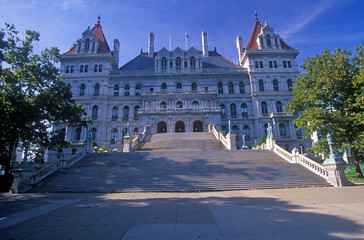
(99, 34)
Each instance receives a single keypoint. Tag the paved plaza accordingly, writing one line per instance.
(292, 213)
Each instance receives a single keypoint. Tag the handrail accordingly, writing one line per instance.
(139, 138)
(219, 136)
(75, 158)
(312, 166)
(282, 153)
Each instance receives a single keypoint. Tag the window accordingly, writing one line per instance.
(97, 89)
(124, 132)
(185, 64)
(261, 42)
(261, 85)
(246, 131)
(265, 127)
(164, 87)
(135, 131)
(127, 90)
(273, 64)
(93, 45)
(282, 129)
(179, 104)
(81, 68)
(114, 135)
(284, 64)
(195, 105)
(275, 85)
(193, 63)
(290, 85)
(194, 87)
(136, 110)
(258, 64)
(116, 90)
(68, 69)
(78, 134)
(279, 106)
(82, 89)
(171, 64)
(164, 63)
(115, 113)
(126, 113)
(233, 110)
(86, 68)
(244, 110)
(72, 69)
(93, 134)
(137, 89)
(95, 111)
(276, 42)
(96, 67)
(100, 68)
(223, 110)
(163, 105)
(287, 64)
(220, 88)
(241, 87)
(178, 64)
(264, 108)
(87, 44)
(231, 88)
(298, 132)
(179, 87)
(235, 130)
(269, 42)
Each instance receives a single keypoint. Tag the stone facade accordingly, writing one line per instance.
(184, 90)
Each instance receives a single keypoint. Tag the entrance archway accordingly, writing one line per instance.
(197, 126)
(162, 127)
(180, 126)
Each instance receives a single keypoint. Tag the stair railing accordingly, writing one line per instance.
(140, 137)
(228, 141)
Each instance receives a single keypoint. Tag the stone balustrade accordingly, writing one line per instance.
(228, 141)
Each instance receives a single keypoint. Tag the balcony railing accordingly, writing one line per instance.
(170, 110)
(154, 93)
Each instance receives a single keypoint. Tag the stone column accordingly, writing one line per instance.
(231, 138)
(21, 183)
(127, 140)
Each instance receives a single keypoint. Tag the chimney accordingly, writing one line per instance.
(115, 53)
(239, 46)
(151, 44)
(205, 48)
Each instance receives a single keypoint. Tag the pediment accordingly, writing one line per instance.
(178, 51)
(88, 34)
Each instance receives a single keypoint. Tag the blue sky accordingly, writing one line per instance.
(308, 25)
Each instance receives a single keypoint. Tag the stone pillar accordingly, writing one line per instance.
(295, 155)
(336, 171)
(211, 127)
(231, 138)
(127, 144)
(21, 181)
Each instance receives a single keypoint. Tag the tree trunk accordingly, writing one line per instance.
(359, 173)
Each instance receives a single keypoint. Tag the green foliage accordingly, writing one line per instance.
(34, 101)
(263, 139)
(329, 98)
(104, 147)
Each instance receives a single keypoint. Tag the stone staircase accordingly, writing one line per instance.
(179, 162)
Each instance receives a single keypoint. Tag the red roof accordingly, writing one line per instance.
(252, 43)
(99, 34)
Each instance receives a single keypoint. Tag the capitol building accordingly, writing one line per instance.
(184, 90)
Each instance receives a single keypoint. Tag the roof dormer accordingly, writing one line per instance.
(267, 39)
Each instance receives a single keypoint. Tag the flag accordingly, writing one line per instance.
(188, 36)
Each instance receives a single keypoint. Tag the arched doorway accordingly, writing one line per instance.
(180, 126)
(197, 126)
(162, 127)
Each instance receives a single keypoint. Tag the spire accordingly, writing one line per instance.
(98, 19)
(256, 16)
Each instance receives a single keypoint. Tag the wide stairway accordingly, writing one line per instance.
(179, 162)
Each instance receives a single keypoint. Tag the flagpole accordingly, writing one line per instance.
(186, 40)
(170, 42)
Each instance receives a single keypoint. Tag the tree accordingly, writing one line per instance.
(329, 98)
(34, 101)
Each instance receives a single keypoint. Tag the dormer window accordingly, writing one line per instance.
(269, 43)
(193, 63)
(87, 44)
(164, 63)
(178, 64)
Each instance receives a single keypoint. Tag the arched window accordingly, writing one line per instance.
(179, 87)
(137, 89)
(194, 87)
(241, 87)
(193, 63)
(275, 85)
(233, 110)
(78, 134)
(223, 110)
(231, 88)
(136, 110)
(261, 85)
(265, 127)
(220, 88)
(164, 87)
(126, 113)
(164, 63)
(135, 131)
(246, 131)
(124, 132)
(235, 130)
(244, 110)
(97, 89)
(178, 64)
(114, 135)
(298, 132)
(179, 104)
(279, 106)
(93, 134)
(269, 42)
(264, 108)
(195, 105)
(82, 89)
(87, 44)
(282, 129)
(290, 85)
(127, 90)
(116, 90)
(95, 111)
(163, 105)
(115, 113)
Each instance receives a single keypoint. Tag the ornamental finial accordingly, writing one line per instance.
(256, 16)
(98, 19)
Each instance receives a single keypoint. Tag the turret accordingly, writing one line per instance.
(151, 44)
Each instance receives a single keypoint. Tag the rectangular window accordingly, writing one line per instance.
(285, 64)
(275, 65)
(68, 69)
(72, 69)
(95, 68)
(270, 64)
(256, 64)
(100, 68)
(261, 64)
(86, 68)
(289, 64)
(81, 69)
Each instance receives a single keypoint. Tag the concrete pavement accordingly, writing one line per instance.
(297, 213)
